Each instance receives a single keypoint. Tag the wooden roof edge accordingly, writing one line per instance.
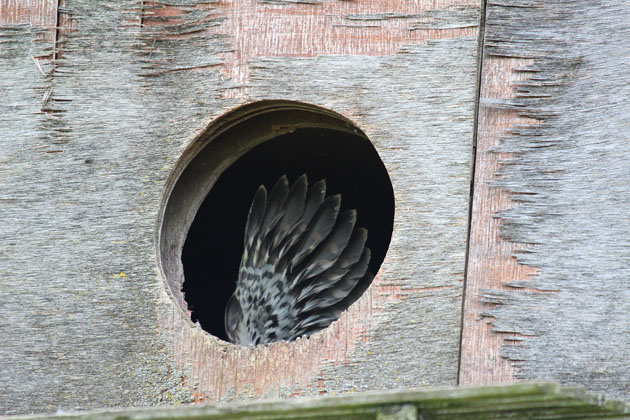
(526, 400)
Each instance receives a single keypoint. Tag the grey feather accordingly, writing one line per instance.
(330, 250)
(314, 199)
(303, 264)
(318, 229)
(339, 290)
(294, 210)
(350, 256)
(256, 215)
(316, 195)
(275, 204)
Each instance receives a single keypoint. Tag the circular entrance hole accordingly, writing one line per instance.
(201, 239)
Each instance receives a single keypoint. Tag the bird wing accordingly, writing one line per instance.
(304, 263)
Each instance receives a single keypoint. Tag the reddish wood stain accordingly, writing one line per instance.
(491, 264)
(219, 369)
(372, 28)
(215, 369)
(42, 13)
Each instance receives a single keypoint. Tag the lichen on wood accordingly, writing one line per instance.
(519, 401)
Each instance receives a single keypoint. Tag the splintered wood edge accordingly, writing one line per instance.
(491, 262)
(526, 400)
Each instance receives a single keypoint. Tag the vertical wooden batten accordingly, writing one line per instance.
(547, 289)
(491, 260)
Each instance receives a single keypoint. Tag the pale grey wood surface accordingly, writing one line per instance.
(417, 341)
(86, 152)
(81, 188)
(569, 172)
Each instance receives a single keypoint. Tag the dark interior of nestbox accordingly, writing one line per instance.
(214, 244)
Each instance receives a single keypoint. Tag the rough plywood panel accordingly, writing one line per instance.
(417, 296)
(79, 185)
(87, 321)
(567, 170)
(412, 145)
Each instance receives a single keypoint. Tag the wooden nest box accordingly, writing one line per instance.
(483, 145)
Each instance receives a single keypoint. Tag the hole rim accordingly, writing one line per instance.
(225, 133)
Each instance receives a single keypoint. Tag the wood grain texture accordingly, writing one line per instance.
(86, 317)
(552, 177)
(516, 401)
(354, 353)
(77, 271)
(308, 29)
(33, 12)
(490, 256)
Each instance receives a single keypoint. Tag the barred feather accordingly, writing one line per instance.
(303, 264)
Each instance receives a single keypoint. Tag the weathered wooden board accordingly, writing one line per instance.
(354, 353)
(87, 147)
(75, 333)
(41, 13)
(551, 192)
(517, 401)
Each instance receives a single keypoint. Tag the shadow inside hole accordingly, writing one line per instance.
(214, 244)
